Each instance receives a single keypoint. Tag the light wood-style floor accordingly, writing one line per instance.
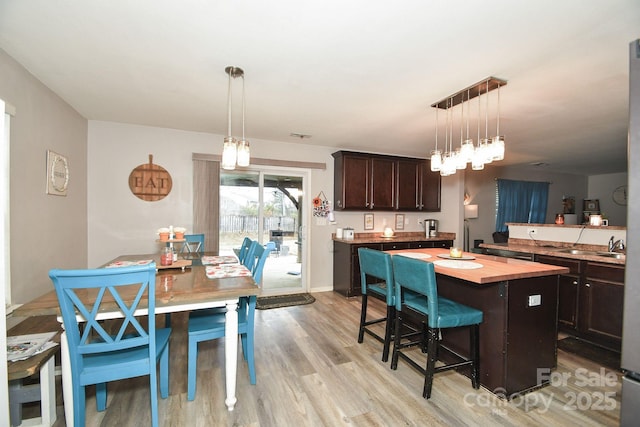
(312, 372)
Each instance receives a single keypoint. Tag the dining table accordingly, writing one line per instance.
(188, 286)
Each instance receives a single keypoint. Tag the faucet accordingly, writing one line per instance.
(618, 244)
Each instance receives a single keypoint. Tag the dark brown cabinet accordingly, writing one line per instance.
(363, 182)
(590, 300)
(417, 187)
(376, 182)
(567, 292)
(346, 262)
(601, 301)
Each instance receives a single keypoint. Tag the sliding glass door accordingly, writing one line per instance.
(266, 206)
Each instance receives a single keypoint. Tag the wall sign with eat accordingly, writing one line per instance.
(150, 182)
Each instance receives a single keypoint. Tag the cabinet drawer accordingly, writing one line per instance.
(606, 272)
(376, 246)
(574, 265)
(395, 246)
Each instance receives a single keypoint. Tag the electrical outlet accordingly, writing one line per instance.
(535, 300)
(531, 231)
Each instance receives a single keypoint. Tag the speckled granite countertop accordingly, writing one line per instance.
(363, 238)
(555, 248)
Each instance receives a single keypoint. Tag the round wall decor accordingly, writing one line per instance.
(57, 174)
(150, 182)
(620, 195)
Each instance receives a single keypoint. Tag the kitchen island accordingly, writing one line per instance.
(519, 301)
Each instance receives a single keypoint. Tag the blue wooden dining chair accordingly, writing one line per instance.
(242, 252)
(205, 325)
(416, 291)
(194, 244)
(98, 356)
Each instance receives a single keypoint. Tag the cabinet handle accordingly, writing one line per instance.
(575, 282)
(588, 285)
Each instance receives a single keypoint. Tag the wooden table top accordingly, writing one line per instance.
(174, 288)
(494, 269)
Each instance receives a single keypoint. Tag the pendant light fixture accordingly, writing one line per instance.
(487, 149)
(234, 151)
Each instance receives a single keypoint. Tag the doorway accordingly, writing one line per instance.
(266, 205)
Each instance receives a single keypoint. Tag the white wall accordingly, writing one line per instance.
(601, 187)
(120, 223)
(46, 231)
(481, 186)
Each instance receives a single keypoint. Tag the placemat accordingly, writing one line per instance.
(416, 255)
(219, 259)
(129, 263)
(462, 265)
(228, 270)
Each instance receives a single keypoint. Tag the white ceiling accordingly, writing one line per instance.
(357, 75)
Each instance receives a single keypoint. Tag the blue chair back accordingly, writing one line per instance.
(246, 243)
(256, 258)
(194, 243)
(107, 283)
(98, 355)
(419, 277)
(377, 264)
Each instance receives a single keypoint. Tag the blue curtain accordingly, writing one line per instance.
(521, 201)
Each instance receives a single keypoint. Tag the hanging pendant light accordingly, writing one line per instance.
(498, 140)
(436, 155)
(477, 161)
(487, 149)
(244, 152)
(234, 152)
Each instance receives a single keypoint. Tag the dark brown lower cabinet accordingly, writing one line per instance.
(600, 302)
(590, 300)
(346, 263)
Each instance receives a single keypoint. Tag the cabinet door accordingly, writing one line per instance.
(568, 291)
(355, 179)
(601, 301)
(568, 302)
(408, 185)
(382, 183)
(430, 189)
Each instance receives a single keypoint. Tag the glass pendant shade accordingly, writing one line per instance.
(436, 160)
(497, 147)
(460, 159)
(477, 161)
(235, 152)
(244, 153)
(466, 150)
(229, 153)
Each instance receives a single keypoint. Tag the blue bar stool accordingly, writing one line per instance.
(418, 278)
(377, 265)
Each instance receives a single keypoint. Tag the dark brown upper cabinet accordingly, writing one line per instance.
(365, 181)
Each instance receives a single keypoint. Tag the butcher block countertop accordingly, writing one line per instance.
(494, 269)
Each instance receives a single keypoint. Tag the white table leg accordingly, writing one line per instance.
(231, 352)
(48, 392)
(67, 386)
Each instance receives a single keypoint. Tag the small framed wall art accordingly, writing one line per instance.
(368, 221)
(57, 174)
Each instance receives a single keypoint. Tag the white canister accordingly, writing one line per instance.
(348, 233)
(339, 233)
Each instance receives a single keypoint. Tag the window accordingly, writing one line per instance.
(521, 201)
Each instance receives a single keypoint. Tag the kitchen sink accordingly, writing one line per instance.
(577, 252)
(615, 255)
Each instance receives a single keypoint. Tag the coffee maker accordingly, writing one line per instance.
(431, 227)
